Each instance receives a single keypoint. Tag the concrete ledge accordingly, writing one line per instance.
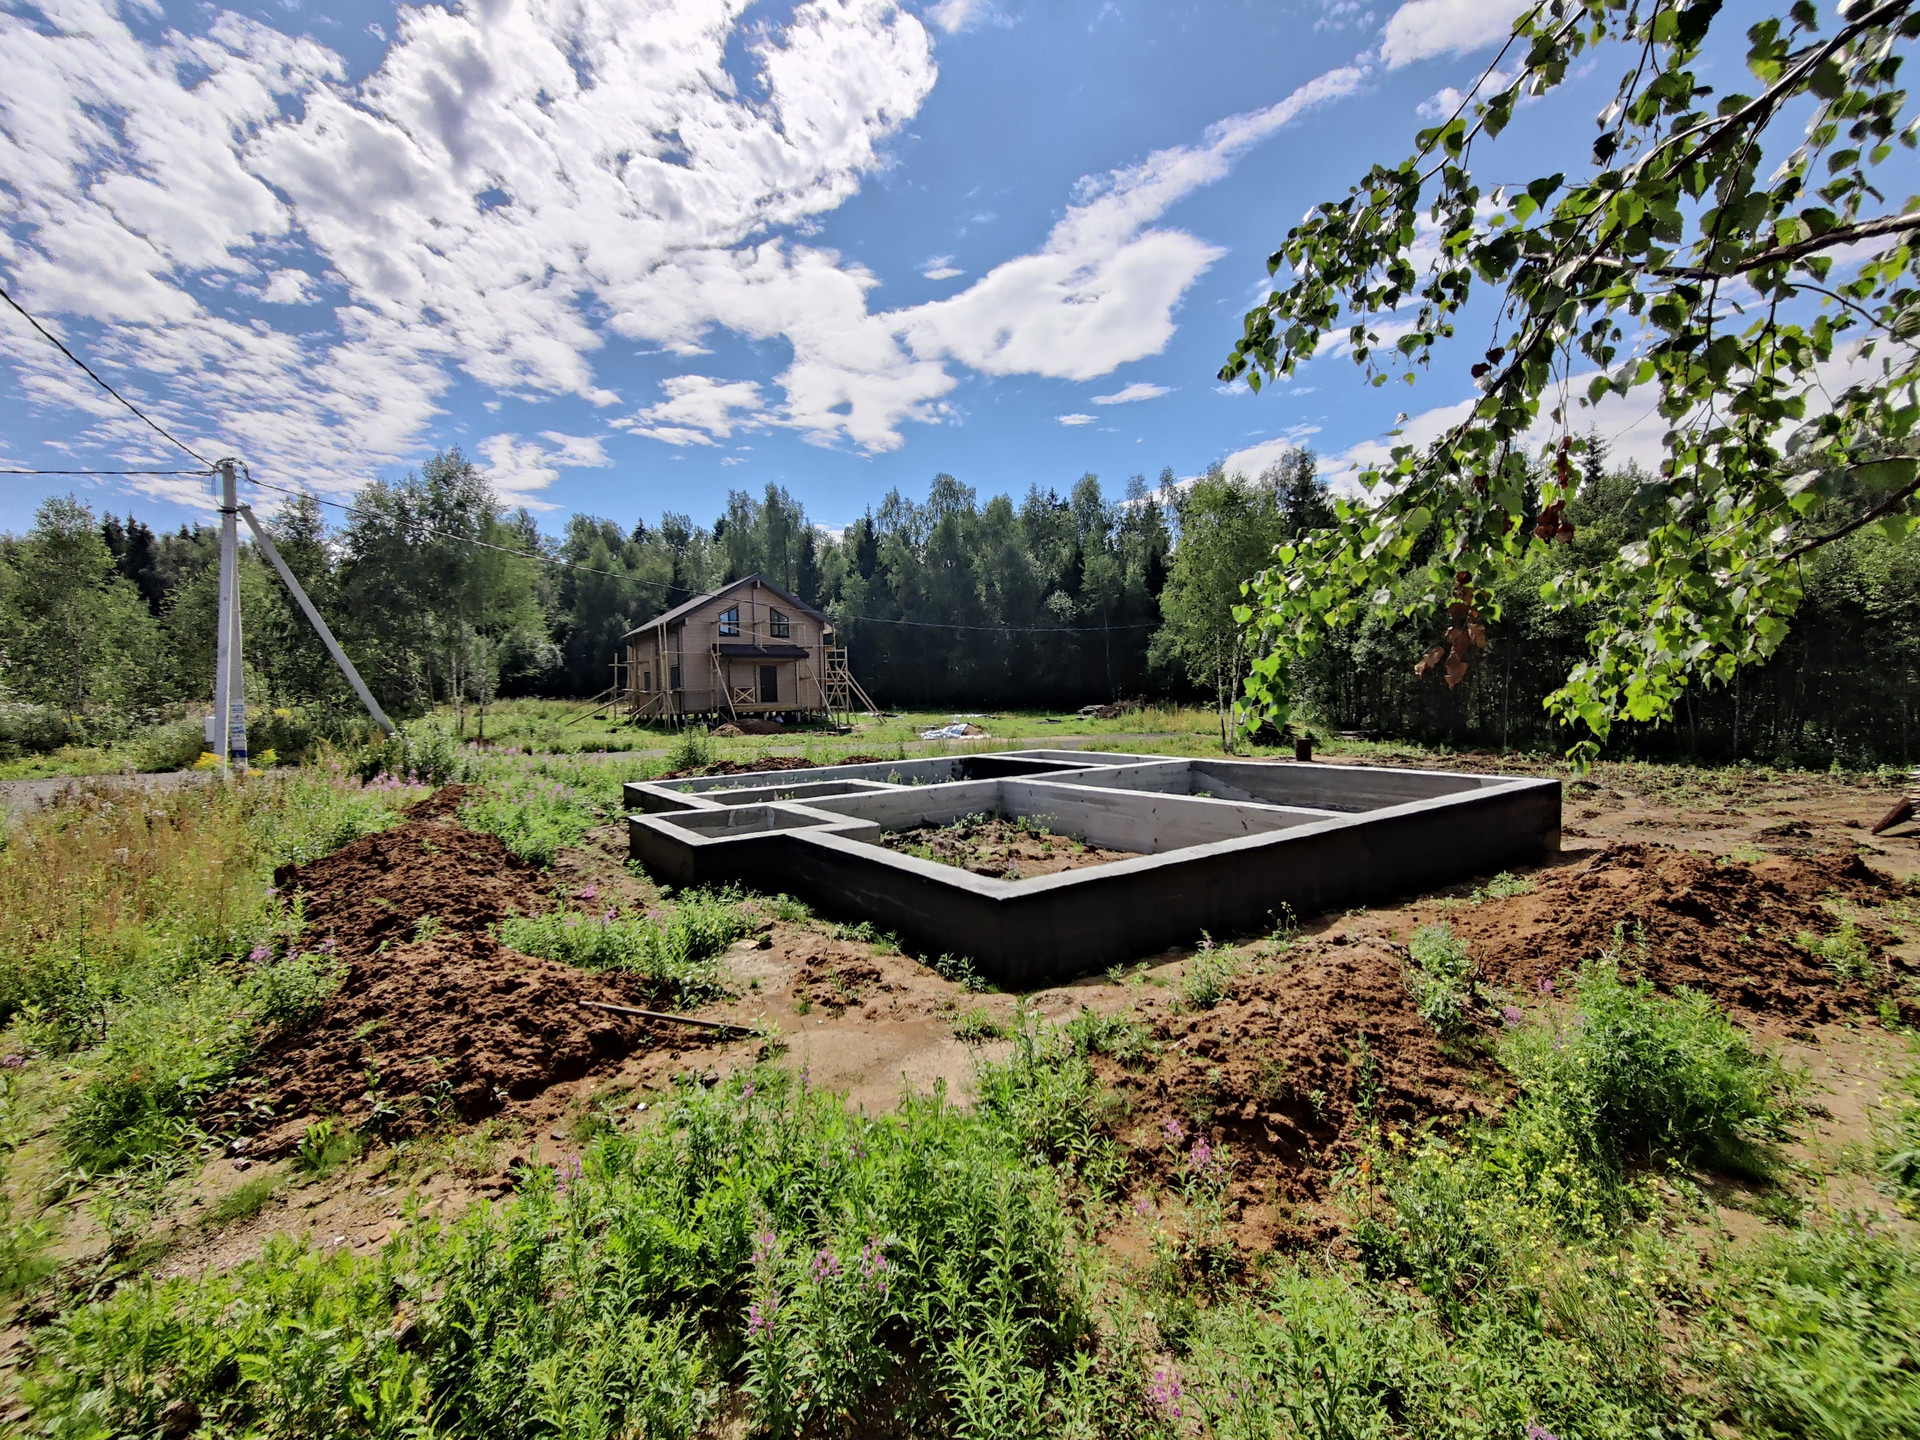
(1259, 839)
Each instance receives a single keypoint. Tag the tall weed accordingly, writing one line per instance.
(853, 1271)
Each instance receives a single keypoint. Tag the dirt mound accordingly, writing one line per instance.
(433, 1018)
(1722, 927)
(764, 763)
(1290, 1069)
(994, 847)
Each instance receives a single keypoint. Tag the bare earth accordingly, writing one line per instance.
(1272, 1067)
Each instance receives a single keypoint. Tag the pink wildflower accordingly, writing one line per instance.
(760, 1319)
(1165, 1390)
(1174, 1131)
(589, 893)
(259, 953)
(826, 1266)
(1510, 1014)
(1546, 986)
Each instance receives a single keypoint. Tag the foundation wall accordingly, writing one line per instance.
(1217, 864)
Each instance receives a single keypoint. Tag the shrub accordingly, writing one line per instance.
(536, 817)
(169, 747)
(1634, 1073)
(1203, 984)
(692, 749)
(1844, 950)
(1440, 977)
(977, 1026)
(36, 730)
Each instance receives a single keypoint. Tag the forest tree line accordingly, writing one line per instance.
(1053, 600)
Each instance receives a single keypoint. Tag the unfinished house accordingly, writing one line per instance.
(749, 648)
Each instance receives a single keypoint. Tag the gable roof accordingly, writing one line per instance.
(680, 612)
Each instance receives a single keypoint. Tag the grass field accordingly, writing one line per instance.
(1648, 1225)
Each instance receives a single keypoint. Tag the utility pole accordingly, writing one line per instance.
(229, 685)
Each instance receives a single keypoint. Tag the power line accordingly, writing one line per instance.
(1004, 629)
(105, 472)
(620, 575)
(94, 376)
(441, 534)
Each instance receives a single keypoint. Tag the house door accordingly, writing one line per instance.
(769, 684)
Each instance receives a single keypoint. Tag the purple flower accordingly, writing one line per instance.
(825, 1267)
(1200, 1158)
(766, 1246)
(259, 952)
(1538, 1431)
(1164, 1390)
(873, 1259)
(1143, 1207)
(1546, 986)
(613, 913)
(566, 1172)
(1511, 1015)
(1174, 1131)
(746, 1091)
(588, 893)
(273, 889)
(14, 1062)
(760, 1319)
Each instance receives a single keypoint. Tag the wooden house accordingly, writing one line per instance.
(748, 648)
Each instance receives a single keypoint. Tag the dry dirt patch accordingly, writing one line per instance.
(1006, 850)
(432, 1014)
(1723, 927)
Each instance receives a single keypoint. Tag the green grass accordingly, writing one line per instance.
(245, 1200)
(977, 1026)
(677, 954)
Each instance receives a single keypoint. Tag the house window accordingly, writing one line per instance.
(777, 624)
(646, 682)
(673, 677)
(730, 620)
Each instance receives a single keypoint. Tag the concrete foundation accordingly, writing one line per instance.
(1224, 846)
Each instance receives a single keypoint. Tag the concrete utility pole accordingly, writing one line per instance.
(229, 685)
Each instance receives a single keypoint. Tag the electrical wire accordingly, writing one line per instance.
(105, 472)
(464, 539)
(56, 342)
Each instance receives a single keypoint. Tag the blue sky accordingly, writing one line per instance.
(633, 255)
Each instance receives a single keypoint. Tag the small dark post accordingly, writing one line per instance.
(1303, 746)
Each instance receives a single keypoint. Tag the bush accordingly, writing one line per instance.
(535, 817)
(36, 730)
(1631, 1073)
(1440, 977)
(169, 747)
(692, 749)
(1203, 984)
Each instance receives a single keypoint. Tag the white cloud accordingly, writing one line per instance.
(1074, 419)
(1139, 390)
(953, 16)
(514, 183)
(941, 267)
(519, 469)
(288, 287)
(1102, 290)
(1253, 461)
(1424, 28)
(698, 407)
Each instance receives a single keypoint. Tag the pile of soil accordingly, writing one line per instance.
(763, 764)
(431, 1004)
(996, 847)
(1291, 1069)
(1721, 927)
